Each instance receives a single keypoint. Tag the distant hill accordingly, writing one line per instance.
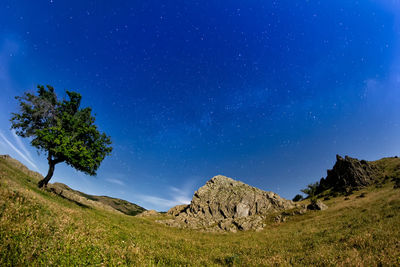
(104, 202)
(80, 198)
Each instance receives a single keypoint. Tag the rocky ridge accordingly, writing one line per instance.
(348, 174)
(226, 204)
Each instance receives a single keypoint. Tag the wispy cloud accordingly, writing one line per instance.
(178, 196)
(115, 181)
(181, 196)
(159, 202)
(21, 145)
(19, 152)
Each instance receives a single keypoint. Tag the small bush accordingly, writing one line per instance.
(311, 189)
(297, 198)
(231, 260)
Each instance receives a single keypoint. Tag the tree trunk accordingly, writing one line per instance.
(46, 179)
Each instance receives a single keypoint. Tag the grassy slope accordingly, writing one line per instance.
(38, 227)
(389, 167)
(121, 205)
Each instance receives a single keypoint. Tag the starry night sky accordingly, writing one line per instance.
(266, 92)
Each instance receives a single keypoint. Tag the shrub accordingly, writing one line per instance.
(311, 189)
(297, 198)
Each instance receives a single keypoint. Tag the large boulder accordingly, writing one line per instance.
(227, 204)
(349, 173)
(317, 205)
(175, 211)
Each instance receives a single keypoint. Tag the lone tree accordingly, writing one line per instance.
(61, 129)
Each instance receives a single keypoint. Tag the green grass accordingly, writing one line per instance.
(38, 227)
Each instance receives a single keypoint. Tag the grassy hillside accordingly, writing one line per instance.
(120, 205)
(390, 168)
(39, 227)
(80, 198)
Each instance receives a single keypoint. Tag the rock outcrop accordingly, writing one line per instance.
(317, 205)
(225, 204)
(347, 174)
(175, 211)
(148, 213)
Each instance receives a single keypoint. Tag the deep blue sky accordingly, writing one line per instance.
(261, 91)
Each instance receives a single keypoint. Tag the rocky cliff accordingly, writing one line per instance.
(225, 204)
(349, 173)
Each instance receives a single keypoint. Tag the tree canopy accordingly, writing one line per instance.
(62, 129)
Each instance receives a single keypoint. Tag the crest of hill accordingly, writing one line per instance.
(80, 198)
(18, 165)
(226, 204)
(104, 202)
